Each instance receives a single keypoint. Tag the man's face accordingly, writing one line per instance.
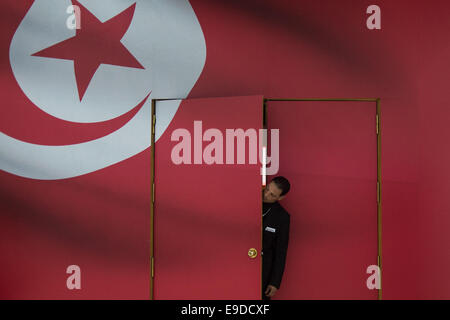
(272, 193)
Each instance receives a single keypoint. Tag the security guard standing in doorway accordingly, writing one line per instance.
(276, 222)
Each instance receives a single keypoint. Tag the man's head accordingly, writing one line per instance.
(276, 189)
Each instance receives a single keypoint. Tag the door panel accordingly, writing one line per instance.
(328, 152)
(206, 217)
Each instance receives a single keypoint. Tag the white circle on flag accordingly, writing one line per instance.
(164, 36)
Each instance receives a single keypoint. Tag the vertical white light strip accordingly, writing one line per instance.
(264, 151)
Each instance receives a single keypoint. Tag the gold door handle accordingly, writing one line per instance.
(252, 253)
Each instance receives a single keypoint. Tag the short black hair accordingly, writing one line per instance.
(283, 184)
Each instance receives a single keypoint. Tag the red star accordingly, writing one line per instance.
(95, 43)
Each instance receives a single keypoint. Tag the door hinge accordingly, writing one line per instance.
(153, 267)
(378, 192)
(377, 123)
(153, 123)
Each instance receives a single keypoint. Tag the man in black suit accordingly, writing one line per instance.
(276, 222)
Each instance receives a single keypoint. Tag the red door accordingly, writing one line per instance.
(328, 151)
(206, 216)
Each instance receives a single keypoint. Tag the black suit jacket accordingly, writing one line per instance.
(275, 244)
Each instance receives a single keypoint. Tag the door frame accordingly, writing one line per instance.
(265, 100)
(378, 133)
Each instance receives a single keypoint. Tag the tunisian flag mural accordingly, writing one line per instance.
(77, 79)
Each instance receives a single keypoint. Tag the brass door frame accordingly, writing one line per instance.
(152, 196)
(152, 192)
